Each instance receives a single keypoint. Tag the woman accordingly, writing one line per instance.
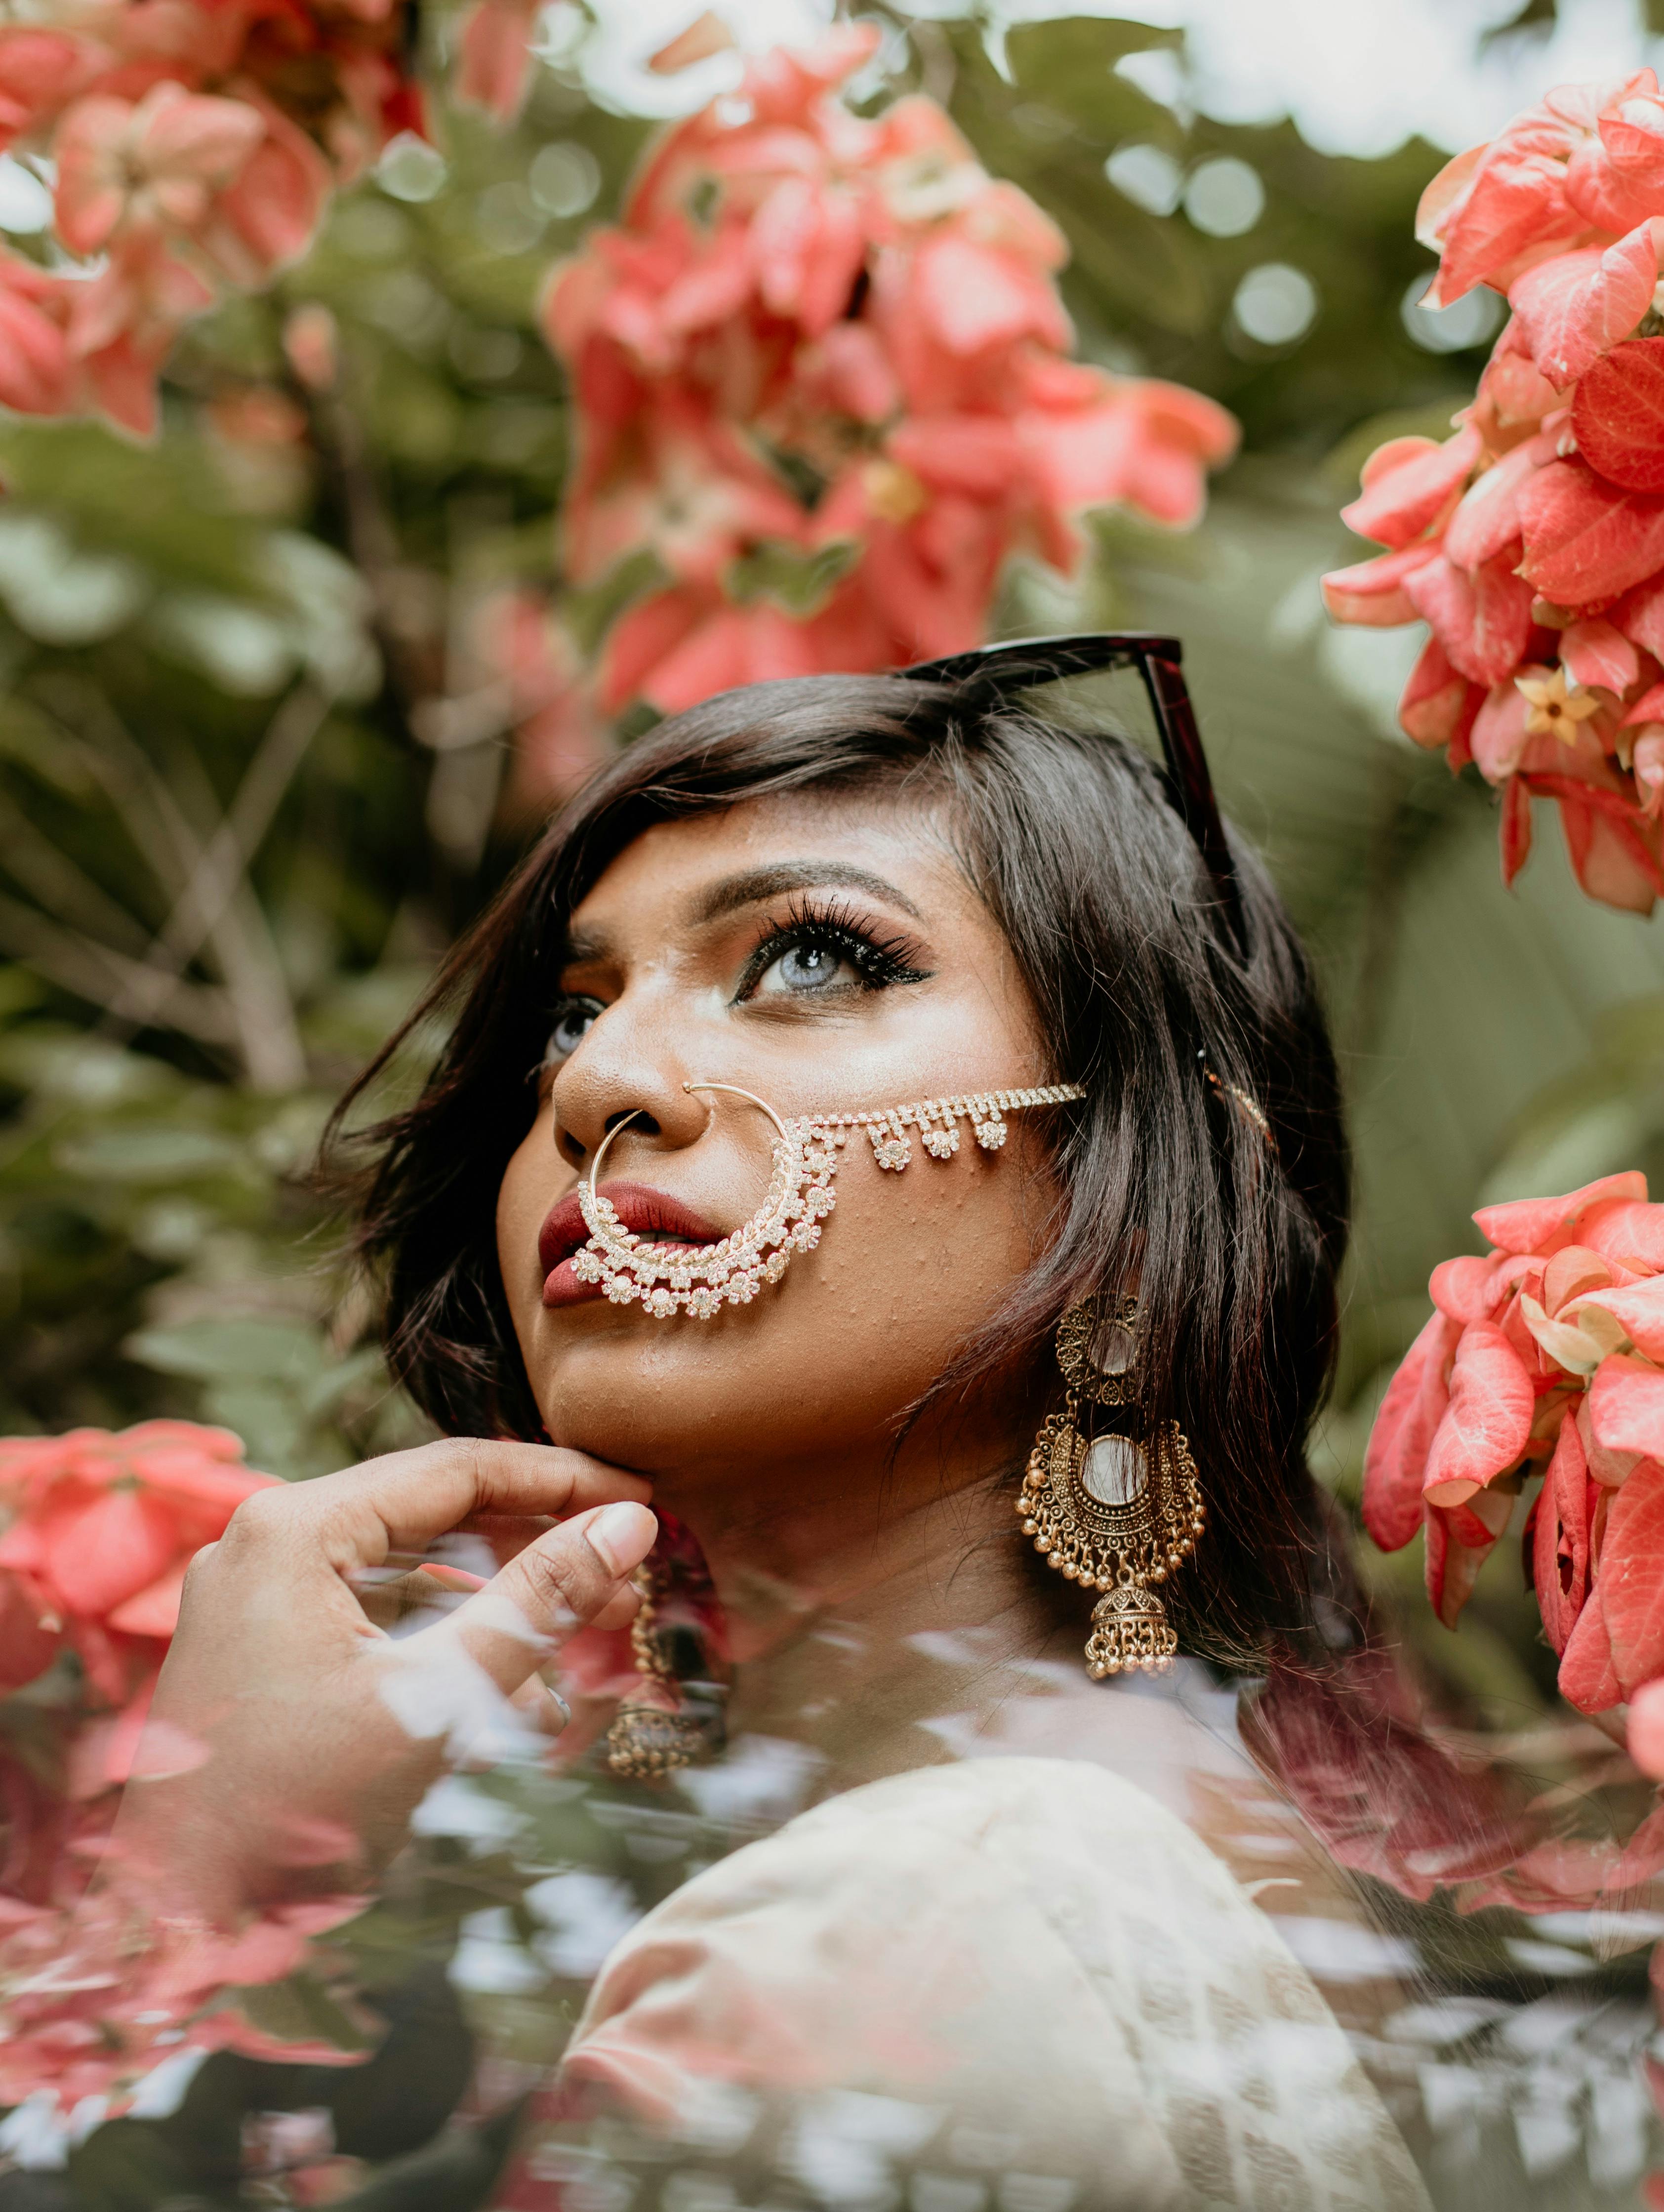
(802, 903)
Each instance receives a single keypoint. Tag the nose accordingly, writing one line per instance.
(622, 1074)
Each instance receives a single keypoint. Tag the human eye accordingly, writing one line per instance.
(823, 952)
(572, 1018)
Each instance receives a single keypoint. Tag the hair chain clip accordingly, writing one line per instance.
(701, 1279)
(1250, 1107)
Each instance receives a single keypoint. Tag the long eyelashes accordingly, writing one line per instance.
(879, 957)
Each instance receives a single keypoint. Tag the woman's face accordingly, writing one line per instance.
(829, 955)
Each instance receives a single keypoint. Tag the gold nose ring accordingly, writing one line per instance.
(701, 1279)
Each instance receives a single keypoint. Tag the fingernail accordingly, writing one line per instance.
(621, 1536)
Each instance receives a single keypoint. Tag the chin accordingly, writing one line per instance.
(693, 1407)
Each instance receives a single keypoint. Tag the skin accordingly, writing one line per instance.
(281, 1767)
(908, 1266)
(884, 1610)
(805, 1505)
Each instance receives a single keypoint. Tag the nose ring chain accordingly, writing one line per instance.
(701, 1279)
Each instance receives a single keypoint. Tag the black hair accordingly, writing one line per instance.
(1235, 1232)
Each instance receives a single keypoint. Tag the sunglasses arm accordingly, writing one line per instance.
(1176, 718)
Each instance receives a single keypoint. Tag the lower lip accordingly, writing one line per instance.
(561, 1287)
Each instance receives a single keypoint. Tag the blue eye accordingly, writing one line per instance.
(804, 966)
(573, 1019)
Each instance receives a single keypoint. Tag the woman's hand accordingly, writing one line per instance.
(290, 1738)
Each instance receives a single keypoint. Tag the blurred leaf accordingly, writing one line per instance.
(153, 1152)
(300, 2009)
(248, 1350)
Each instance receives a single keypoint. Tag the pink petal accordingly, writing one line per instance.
(1534, 1224)
(1486, 522)
(1435, 699)
(1469, 1289)
(1372, 592)
(1408, 484)
(1628, 1233)
(1585, 538)
(153, 1611)
(1644, 1729)
(1498, 735)
(1626, 1407)
(1640, 615)
(1589, 1679)
(973, 298)
(1629, 1579)
(1394, 1463)
(1487, 1425)
(1507, 201)
(1514, 830)
(494, 50)
(1560, 1556)
(110, 1550)
(1638, 1310)
(1575, 306)
(1483, 621)
(1593, 653)
(1452, 1566)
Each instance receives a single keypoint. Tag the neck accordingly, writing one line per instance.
(840, 1586)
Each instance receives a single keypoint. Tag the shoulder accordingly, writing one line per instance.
(1024, 1940)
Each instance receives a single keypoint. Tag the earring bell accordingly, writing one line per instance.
(1108, 1504)
(678, 1716)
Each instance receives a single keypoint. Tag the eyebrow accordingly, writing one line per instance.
(585, 948)
(752, 886)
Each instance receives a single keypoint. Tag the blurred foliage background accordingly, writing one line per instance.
(253, 778)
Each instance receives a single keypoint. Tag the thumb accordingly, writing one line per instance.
(570, 1576)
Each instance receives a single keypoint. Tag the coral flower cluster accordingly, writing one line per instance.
(193, 145)
(820, 370)
(1544, 1357)
(100, 1529)
(1531, 542)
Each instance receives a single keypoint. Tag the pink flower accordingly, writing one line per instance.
(34, 357)
(1532, 543)
(549, 703)
(1544, 1357)
(102, 1529)
(196, 143)
(158, 165)
(836, 399)
(494, 56)
(39, 70)
(311, 345)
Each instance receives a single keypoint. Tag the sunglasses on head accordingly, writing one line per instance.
(1024, 664)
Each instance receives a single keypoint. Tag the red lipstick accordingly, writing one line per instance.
(642, 1210)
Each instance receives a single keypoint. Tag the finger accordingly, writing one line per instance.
(574, 1575)
(403, 1502)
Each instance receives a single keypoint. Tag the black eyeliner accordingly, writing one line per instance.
(879, 960)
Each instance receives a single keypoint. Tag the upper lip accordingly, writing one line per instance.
(640, 1209)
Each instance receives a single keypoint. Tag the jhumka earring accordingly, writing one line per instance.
(676, 1718)
(701, 1279)
(1110, 1506)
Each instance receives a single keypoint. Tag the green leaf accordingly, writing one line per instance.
(272, 1350)
(155, 1151)
(300, 2009)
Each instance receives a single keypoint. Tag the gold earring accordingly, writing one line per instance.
(1112, 1509)
(683, 1724)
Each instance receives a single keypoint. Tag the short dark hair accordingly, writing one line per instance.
(1236, 1238)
